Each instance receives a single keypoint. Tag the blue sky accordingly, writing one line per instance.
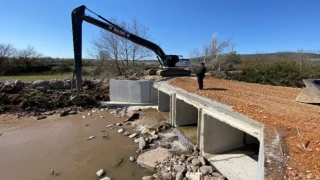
(178, 26)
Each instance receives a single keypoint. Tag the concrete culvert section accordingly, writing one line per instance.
(186, 120)
(233, 152)
(186, 114)
(164, 102)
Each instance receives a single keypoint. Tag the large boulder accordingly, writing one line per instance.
(150, 158)
(41, 84)
(206, 170)
(58, 84)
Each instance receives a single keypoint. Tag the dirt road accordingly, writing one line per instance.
(275, 107)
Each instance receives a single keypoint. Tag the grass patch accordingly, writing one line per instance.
(36, 77)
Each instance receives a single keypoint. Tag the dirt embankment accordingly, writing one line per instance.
(276, 108)
(40, 96)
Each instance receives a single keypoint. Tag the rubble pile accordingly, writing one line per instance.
(160, 150)
(41, 96)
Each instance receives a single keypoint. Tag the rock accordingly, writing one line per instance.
(91, 137)
(180, 168)
(119, 124)
(40, 117)
(41, 84)
(206, 170)
(217, 175)
(189, 168)
(101, 172)
(150, 158)
(179, 176)
(193, 175)
(58, 84)
(131, 159)
(102, 116)
(195, 153)
(42, 89)
(133, 135)
(126, 133)
(194, 168)
(133, 117)
(196, 162)
(147, 178)
(209, 178)
(155, 137)
(120, 130)
(166, 176)
(142, 143)
(136, 140)
(89, 114)
(145, 130)
(183, 157)
(110, 125)
(0, 133)
(19, 83)
(106, 178)
(72, 112)
(63, 113)
(83, 117)
(202, 160)
(8, 83)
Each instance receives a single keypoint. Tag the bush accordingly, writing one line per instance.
(275, 72)
(62, 68)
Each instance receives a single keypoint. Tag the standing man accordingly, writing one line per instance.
(200, 75)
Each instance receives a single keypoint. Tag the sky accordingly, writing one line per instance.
(178, 26)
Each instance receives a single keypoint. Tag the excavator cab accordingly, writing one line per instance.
(170, 60)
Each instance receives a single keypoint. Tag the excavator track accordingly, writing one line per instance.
(173, 72)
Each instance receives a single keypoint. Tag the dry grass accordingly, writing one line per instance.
(36, 77)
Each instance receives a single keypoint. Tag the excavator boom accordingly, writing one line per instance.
(78, 16)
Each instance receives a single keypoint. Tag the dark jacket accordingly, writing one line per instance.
(201, 71)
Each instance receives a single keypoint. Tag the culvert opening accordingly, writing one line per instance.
(164, 102)
(230, 149)
(186, 120)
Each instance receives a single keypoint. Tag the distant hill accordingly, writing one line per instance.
(314, 56)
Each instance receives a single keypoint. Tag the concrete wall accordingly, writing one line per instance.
(163, 102)
(186, 114)
(131, 91)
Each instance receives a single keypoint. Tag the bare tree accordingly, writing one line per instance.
(7, 50)
(303, 58)
(28, 53)
(212, 50)
(120, 49)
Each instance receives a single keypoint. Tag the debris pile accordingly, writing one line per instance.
(41, 96)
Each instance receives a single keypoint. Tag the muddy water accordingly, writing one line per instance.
(29, 149)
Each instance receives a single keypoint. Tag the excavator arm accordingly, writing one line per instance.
(78, 16)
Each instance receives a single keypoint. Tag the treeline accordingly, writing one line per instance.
(283, 69)
(29, 61)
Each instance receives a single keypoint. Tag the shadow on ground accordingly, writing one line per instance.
(215, 89)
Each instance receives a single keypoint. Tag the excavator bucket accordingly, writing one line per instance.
(311, 93)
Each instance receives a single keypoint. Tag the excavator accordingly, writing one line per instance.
(170, 65)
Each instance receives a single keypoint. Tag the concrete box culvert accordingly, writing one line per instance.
(186, 114)
(235, 153)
